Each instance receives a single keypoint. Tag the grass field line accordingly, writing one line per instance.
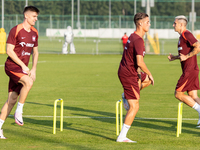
(39, 62)
(88, 117)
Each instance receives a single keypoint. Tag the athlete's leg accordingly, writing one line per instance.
(27, 83)
(6, 109)
(194, 96)
(184, 98)
(131, 113)
(72, 48)
(64, 48)
(130, 116)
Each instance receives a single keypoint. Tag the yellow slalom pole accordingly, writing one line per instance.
(121, 115)
(54, 117)
(179, 119)
(55, 113)
(117, 119)
(61, 115)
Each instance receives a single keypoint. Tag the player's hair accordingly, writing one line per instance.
(138, 17)
(181, 17)
(31, 8)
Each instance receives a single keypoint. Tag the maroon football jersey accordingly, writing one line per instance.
(186, 40)
(128, 65)
(24, 42)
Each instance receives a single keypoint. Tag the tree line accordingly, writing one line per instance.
(101, 8)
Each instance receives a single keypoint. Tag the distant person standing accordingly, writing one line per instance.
(124, 40)
(21, 43)
(188, 47)
(130, 75)
(68, 37)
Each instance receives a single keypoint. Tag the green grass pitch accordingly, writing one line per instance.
(90, 88)
(104, 46)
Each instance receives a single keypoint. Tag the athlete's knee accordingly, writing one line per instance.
(28, 83)
(178, 95)
(134, 105)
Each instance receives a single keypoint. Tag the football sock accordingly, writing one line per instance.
(124, 131)
(1, 123)
(197, 107)
(19, 108)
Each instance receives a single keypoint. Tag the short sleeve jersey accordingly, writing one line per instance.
(124, 39)
(128, 65)
(24, 42)
(185, 43)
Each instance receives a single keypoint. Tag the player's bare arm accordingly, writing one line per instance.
(35, 60)
(10, 52)
(143, 67)
(172, 57)
(195, 51)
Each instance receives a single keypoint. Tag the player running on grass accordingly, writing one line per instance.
(21, 42)
(188, 47)
(130, 75)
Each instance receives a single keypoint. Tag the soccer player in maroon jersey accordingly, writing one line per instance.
(188, 47)
(21, 42)
(130, 74)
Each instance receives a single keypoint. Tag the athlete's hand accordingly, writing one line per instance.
(183, 57)
(171, 57)
(25, 69)
(32, 75)
(151, 78)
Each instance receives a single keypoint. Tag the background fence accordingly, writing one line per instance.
(89, 45)
(90, 22)
(95, 14)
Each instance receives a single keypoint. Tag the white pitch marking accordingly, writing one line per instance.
(39, 62)
(87, 117)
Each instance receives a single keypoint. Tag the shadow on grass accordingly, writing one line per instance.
(55, 142)
(103, 114)
(49, 123)
(168, 125)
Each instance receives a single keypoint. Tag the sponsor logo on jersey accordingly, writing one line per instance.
(25, 53)
(33, 38)
(23, 37)
(26, 44)
(180, 48)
